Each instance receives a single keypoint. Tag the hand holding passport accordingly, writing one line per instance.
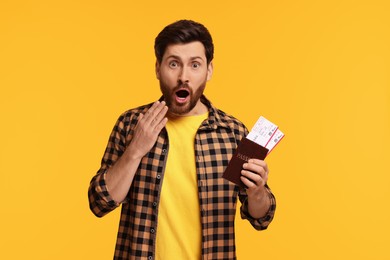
(260, 141)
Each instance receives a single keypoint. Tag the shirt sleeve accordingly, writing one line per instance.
(259, 223)
(100, 200)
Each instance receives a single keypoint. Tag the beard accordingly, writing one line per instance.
(178, 108)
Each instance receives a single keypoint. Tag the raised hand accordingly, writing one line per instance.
(148, 127)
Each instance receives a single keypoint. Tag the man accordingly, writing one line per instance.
(164, 163)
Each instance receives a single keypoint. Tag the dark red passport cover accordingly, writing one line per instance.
(246, 150)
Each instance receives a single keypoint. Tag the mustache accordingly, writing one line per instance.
(182, 86)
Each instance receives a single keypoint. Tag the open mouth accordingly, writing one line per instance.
(182, 95)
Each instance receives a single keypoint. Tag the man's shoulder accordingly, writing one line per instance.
(130, 116)
(129, 113)
(230, 120)
(227, 117)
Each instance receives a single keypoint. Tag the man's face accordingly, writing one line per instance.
(183, 73)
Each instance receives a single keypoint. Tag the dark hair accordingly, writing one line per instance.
(183, 31)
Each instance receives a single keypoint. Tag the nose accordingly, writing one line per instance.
(184, 75)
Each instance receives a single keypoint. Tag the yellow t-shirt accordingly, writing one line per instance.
(179, 228)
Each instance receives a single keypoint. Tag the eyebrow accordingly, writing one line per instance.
(178, 58)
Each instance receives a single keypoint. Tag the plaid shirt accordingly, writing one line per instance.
(215, 143)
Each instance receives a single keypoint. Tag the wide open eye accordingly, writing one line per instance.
(173, 64)
(195, 65)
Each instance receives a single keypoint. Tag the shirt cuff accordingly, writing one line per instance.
(263, 222)
(102, 190)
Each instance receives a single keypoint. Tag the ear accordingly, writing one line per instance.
(210, 69)
(157, 69)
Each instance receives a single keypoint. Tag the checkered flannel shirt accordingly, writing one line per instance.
(215, 142)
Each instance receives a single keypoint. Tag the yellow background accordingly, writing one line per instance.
(319, 69)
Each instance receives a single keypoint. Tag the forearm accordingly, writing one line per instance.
(262, 222)
(258, 206)
(120, 176)
(111, 185)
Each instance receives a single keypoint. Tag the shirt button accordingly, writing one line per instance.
(154, 204)
(150, 257)
(158, 176)
(164, 151)
(152, 231)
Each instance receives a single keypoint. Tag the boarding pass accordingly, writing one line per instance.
(265, 133)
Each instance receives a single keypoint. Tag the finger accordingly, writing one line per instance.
(248, 183)
(161, 125)
(149, 115)
(252, 176)
(140, 116)
(139, 120)
(258, 162)
(255, 168)
(160, 114)
(157, 114)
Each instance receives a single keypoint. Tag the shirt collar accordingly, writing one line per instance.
(216, 117)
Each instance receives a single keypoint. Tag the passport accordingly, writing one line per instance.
(260, 141)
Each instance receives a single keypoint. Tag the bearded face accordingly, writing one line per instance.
(183, 73)
(182, 99)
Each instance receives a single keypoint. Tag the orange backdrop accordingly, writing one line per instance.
(319, 69)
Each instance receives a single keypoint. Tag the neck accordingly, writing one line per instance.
(199, 109)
